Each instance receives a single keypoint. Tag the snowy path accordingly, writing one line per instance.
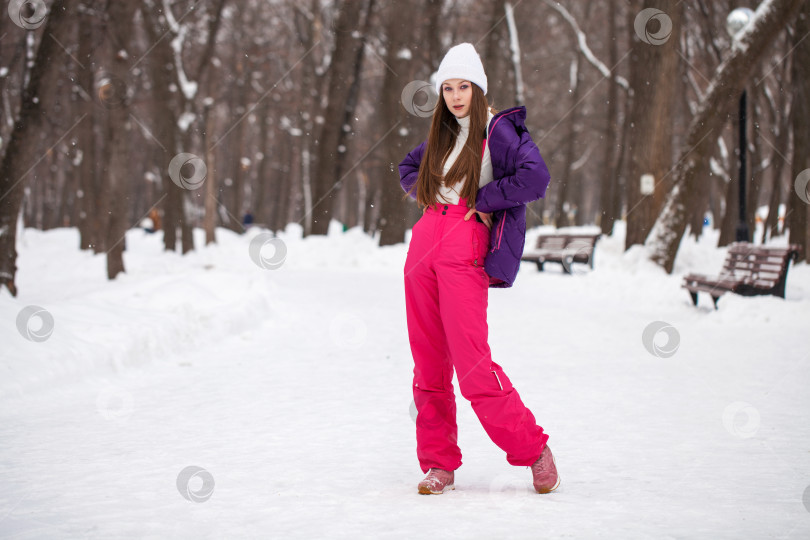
(291, 388)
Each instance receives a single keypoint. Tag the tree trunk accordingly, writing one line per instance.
(756, 163)
(281, 194)
(566, 189)
(261, 210)
(309, 107)
(21, 156)
(410, 125)
(238, 152)
(348, 120)
(167, 105)
(780, 127)
(653, 77)
(770, 228)
(609, 181)
(210, 218)
(728, 227)
(119, 130)
(285, 199)
(800, 119)
(723, 93)
(496, 58)
(88, 211)
(771, 224)
(328, 155)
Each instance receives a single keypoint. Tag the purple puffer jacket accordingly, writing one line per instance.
(520, 176)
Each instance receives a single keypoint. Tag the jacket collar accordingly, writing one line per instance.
(514, 115)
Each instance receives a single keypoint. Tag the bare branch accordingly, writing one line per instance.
(583, 46)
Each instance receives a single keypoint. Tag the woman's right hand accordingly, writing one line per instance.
(487, 219)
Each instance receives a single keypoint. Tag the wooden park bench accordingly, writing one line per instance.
(749, 270)
(565, 249)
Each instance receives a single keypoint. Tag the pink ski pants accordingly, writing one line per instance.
(446, 291)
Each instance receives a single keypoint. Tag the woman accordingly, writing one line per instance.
(483, 163)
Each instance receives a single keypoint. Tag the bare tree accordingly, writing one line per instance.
(800, 120)
(20, 156)
(119, 127)
(308, 21)
(502, 89)
(175, 83)
(329, 152)
(610, 185)
(780, 128)
(400, 129)
(89, 216)
(654, 80)
(724, 90)
(609, 190)
(567, 186)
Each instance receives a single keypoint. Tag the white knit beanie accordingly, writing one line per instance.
(462, 62)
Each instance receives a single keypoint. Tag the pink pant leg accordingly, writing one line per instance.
(436, 429)
(446, 293)
(463, 297)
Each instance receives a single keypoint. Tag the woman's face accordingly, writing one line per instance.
(457, 95)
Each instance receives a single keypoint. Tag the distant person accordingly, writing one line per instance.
(151, 223)
(477, 162)
(148, 225)
(247, 220)
(154, 214)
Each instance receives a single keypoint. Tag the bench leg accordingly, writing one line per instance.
(694, 297)
(715, 298)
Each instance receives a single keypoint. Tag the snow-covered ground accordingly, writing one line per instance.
(289, 390)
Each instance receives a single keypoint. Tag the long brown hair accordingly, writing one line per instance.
(444, 129)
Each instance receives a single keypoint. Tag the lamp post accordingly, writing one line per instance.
(735, 22)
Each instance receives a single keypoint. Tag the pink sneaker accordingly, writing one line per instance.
(544, 472)
(436, 481)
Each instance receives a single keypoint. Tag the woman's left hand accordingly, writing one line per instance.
(486, 217)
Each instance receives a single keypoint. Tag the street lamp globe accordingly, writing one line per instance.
(737, 20)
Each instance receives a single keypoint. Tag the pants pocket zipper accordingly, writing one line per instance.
(497, 379)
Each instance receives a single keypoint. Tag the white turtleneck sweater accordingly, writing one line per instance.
(450, 194)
